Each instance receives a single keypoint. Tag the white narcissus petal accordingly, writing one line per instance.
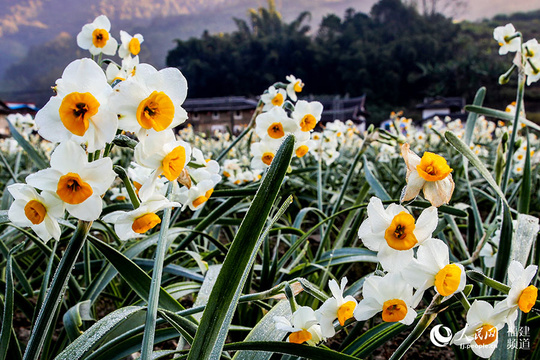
(379, 220)
(515, 270)
(419, 275)
(479, 312)
(17, 215)
(283, 324)
(439, 192)
(434, 254)
(409, 318)
(46, 179)
(48, 127)
(102, 22)
(88, 210)
(485, 351)
(394, 260)
(426, 224)
(366, 309)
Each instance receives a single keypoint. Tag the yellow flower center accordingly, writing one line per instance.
(275, 131)
(308, 122)
(277, 100)
(144, 223)
(226, 174)
(35, 211)
(298, 86)
(134, 46)
(433, 167)
(72, 189)
(209, 193)
(447, 279)
(345, 312)
(528, 298)
(302, 150)
(300, 337)
(173, 163)
(394, 310)
(100, 37)
(75, 111)
(399, 235)
(156, 111)
(267, 158)
(486, 334)
(200, 200)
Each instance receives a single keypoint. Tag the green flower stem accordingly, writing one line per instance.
(477, 276)
(153, 297)
(519, 102)
(121, 172)
(56, 291)
(463, 300)
(426, 319)
(251, 125)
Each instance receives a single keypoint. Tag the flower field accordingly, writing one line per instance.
(125, 234)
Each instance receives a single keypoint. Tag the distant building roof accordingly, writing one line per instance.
(230, 103)
(15, 106)
(337, 108)
(440, 102)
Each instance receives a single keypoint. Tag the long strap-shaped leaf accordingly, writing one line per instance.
(217, 316)
(7, 320)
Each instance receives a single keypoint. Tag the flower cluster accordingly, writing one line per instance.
(91, 107)
(281, 115)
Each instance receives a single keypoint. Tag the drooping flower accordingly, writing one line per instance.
(274, 97)
(390, 295)
(135, 223)
(393, 232)
(304, 327)
(522, 294)
(507, 38)
(532, 70)
(150, 99)
(96, 38)
(80, 110)
(131, 45)
(128, 69)
(482, 329)
(336, 307)
(78, 183)
(196, 195)
(430, 173)
(432, 268)
(294, 86)
(39, 211)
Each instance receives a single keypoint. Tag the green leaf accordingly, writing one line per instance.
(505, 244)
(265, 330)
(525, 194)
(135, 276)
(376, 186)
(217, 316)
(180, 323)
(471, 119)
(73, 318)
(7, 318)
(500, 115)
(93, 336)
(475, 161)
(38, 159)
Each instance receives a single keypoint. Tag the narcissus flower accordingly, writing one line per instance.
(508, 39)
(274, 97)
(80, 110)
(196, 195)
(135, 223)
(78, 183)
(522, 294)
(482, 329)
(128, 69)
(294, 86)
(390, 295)
(150, 99)
(304, 327)
(393, 232)
(131, 45)
(263, 154)
(307, 114)
(39, 211)
(274, 125)
(337, 307)
(432, 268)
(532, 70)
(430, 173)
(96, 38)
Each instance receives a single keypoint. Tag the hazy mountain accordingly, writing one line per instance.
(37, 37)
